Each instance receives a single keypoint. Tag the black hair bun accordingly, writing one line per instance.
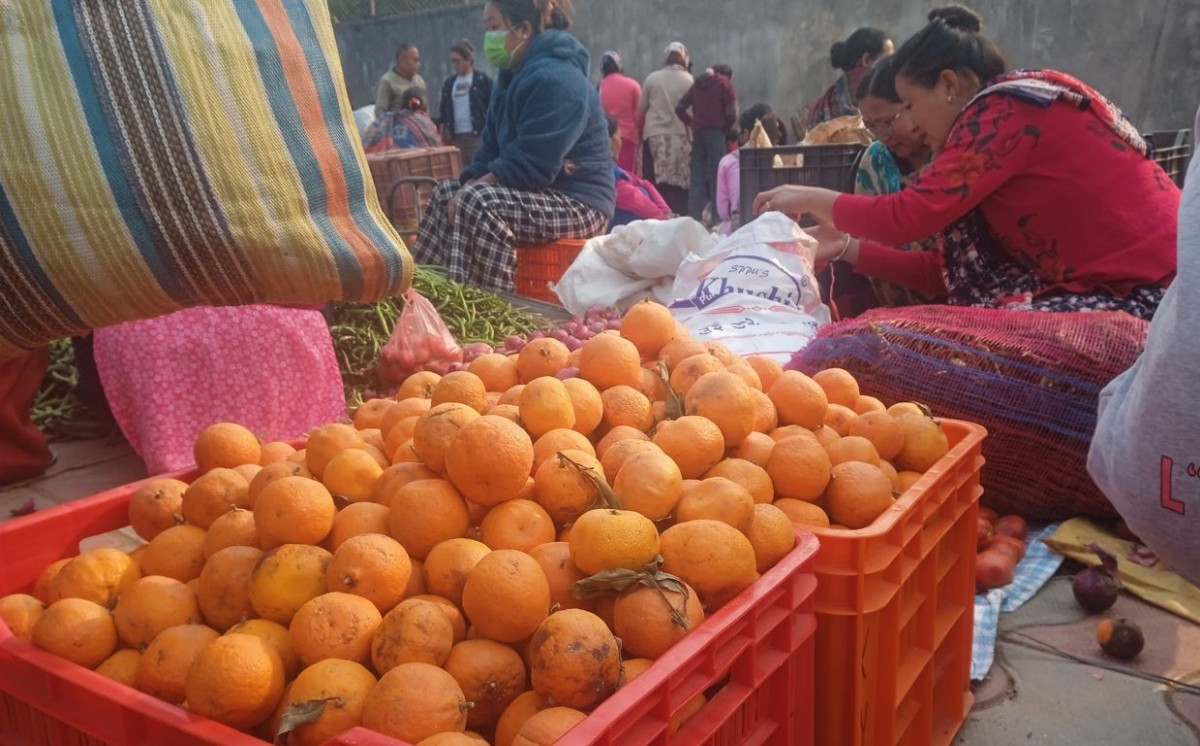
(837, 55)
(958, 17)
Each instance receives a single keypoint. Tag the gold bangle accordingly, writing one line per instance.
(845, 248)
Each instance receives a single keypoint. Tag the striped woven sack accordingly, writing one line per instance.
(160, 154)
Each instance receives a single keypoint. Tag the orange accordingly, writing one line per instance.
(717, 499)
(852, 448)
(722, 353)
(696, 444)
(506, 595)
(286, 578)
(743, 371)
(156, 506)
(20, 613)
(403, 411)
(45, 581)
(151, 604)
(512, 395)
(631, 668)
(541, 357)
(839, 419)
(625, 405)
(905, 407)
(679, 349)
(272, 473)
(608, 360)
(136, 555)
(618, 434)
(555, 560)
(798, 400)
(489, 460)
(406, 453)
(749, 475)
(164, 665)
(79, 630)
(803, 513)
(649, 326)
(768, 370)
(652, 386)
(248, 471)
(356, 520)
(690, 709)
(491, 676)
(498, 373)
(825, 435)
(396, 476)
(839, 386)
(906, 479)
(883, 430)
(416, 630)
(425, 513)
(756, 449)
(275, 452)
(649, 483)
(460, 387)
(369, 414)
(276, 636)
(616, 456)
(545, 406)
(574, 660)
(416, 581)
(890, 472)
(237, 680)
(334, 625)
(419, 385)
(771, 535)
(414, 701)
(299, 457)
(548, 726)
(692, 369)
(609, 539)
(122, 667)
(234, 529)
(712, 557)
(293, 510)
(868, 404)
(510, 412)
(345, 685)
(559, 440)
(457, 621)
(924, 443)
(100, 575)
(224, 594)
(327, 441)
(448, 564)
(788, 431)
(587, 403)
(649, 620)
(213, 494)
(766, 419)
(517, 524)
(227, 445)
(352, 475)
(727, 401)
(858, 494)
(523, 707)
(373, 566)
(799, 468)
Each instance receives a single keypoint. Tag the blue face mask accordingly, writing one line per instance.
(495, 48)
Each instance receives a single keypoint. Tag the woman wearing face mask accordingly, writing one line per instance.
(465, 97)
(544, 170)
(1079, 215)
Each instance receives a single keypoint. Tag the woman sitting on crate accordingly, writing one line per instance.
(544, 172)
(405, 128)
(1079, 216)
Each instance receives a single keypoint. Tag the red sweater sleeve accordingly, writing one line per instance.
(920, 271)
(988, 145)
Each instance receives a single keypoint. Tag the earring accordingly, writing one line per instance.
(950, 99)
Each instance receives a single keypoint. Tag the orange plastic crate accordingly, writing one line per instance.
(539, 266)
(754, 659)
(896, 611)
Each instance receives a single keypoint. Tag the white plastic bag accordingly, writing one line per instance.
(754, 291)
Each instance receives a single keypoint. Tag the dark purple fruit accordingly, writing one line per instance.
(1120, 638)
(1096, 588)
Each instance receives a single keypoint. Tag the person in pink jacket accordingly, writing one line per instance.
(637, 199)
(620, 95)
(729, 171)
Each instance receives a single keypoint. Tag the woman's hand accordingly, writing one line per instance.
(794, 201)
(831, 243)
(452, 206)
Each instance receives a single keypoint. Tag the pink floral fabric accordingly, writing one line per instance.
(269, 368)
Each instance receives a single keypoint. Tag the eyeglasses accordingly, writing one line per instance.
(883, 127)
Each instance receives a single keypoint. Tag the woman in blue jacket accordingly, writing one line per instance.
(544, 171)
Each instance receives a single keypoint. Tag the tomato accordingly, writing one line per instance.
(993, 570)
(984, 535)
(1007, 544)
(1014, 526)
(991, 515)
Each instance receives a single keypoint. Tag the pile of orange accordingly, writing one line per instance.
(427, 571)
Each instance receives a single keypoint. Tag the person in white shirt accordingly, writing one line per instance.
(464, 104)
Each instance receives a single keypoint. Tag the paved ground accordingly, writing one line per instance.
(1030, 696)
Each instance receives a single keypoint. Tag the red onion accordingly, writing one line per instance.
(1096, 588)
(566, 373)
(573, 344)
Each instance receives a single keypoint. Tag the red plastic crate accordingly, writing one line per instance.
(539, 266)
(756, 654)
(896, 611)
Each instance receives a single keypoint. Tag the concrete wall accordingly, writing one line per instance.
(1141, 53)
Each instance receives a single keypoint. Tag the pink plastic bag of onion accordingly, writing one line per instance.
(419, 342)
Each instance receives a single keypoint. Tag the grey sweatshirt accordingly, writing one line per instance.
(1146, 451)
